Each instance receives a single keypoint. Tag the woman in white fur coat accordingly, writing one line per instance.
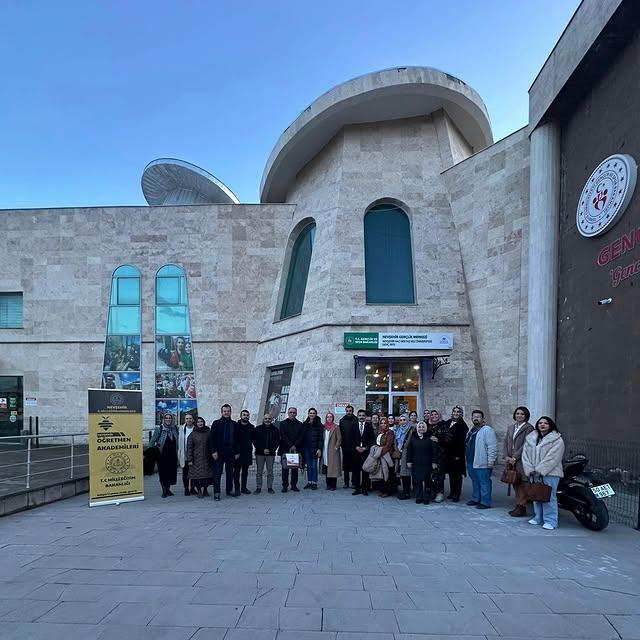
(542, 458)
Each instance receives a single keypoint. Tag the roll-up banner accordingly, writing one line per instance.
(115, 446)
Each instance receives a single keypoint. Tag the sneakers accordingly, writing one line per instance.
(471, 503)
(533, 521)
(270, 491)
(548, 527)
(307, 486)
(483, 506)
(439, 497)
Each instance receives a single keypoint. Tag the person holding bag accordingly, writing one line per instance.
(542, 462)
(512, 452)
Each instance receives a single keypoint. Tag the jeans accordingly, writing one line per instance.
(547, 512)
(260, 462)
(312, 466)
(481, 483)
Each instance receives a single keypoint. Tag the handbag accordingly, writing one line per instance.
(537, 491)
(292, 460)
(511, 475)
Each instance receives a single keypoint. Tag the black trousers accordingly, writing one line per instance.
(347, 466)
(437, 480)
(240, 472)
(185, 478)
(331, 483)
(360, 478)
(285, 476)
(225, 459)
(455, 484)
(390, 486)
(421, 477)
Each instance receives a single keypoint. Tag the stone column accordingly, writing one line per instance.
(544, 219)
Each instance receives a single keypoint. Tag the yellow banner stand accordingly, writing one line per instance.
(115, 446)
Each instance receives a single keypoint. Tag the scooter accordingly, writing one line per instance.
(581, 493)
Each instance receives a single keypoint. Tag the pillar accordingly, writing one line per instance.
(544, 219)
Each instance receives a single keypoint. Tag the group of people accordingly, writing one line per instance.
(393, 455)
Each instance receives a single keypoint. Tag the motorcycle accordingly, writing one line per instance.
(580, 492)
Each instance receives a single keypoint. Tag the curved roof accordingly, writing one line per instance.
(170, 181)
(402, 92)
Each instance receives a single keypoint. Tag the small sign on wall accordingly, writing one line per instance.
(31, 402)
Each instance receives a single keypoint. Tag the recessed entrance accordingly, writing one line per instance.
(11, 408)
(392, 386)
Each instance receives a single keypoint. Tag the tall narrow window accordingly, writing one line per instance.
(175, 371)
(10, 310)
(298, 272)
(121, 366)
(388, 258)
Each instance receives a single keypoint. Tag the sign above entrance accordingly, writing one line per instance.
(375, 340)
(606, 195)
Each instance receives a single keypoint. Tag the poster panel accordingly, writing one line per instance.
(176, 385)
(121, 380)
(115, 446)
(122, 353)
(278, 392)
(174, 353)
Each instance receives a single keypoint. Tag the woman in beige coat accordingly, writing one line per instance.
(512, 452)
(542, 459)
(331, 453)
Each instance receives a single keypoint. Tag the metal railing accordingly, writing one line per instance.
(617, 463)
(36, 461)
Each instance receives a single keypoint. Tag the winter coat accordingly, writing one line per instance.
(313, 435)
(453, 451)
(513, 448)
(199, 455)
(423, 452)
(404, 470)
(387, 441)
(244, 433)
(182, 445)
(160, 435)
(346, 425)
(545, 457)
(486, 448)
(216, 437)
(266, 436)
(332, 455)
(378, 463)
(291, 435)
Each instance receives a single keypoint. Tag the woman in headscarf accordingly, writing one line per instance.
(403, 433)
(199, 458)
(437, 429)
(387, 440)
(453, 454)
(331, 454)
(165, 439)
(421, 452)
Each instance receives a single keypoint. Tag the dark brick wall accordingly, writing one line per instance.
(599, 346)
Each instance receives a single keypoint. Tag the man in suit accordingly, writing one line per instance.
(363, 439)
(225, 450)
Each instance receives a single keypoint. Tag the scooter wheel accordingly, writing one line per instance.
(594, 514)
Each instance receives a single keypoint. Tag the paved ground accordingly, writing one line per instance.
(313, 565)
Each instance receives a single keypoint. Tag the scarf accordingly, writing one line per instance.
(401, 433)
(329, 426)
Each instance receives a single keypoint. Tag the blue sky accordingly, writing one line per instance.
(91, 91)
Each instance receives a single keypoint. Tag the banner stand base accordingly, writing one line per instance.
(99, 504)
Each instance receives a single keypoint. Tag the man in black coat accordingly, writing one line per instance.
(363, 439)
(347, 425)
(291, 441)
(244, 431)
(225, 450)
(454, 452)
(266, 440)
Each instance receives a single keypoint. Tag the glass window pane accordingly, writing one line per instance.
(126, 270)
(183, 291)
(377, 376)
(388, 257)
(124, 320)
(406, 375)
(170, 270)
(128, 290)
(168, 290)
(377, 403)
(404, 404)
(172, 320)
(298, 273)
(10, 310)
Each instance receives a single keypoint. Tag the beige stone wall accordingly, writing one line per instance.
(489, 197)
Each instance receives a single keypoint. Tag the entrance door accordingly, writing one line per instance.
(392, 386)
(10, 405)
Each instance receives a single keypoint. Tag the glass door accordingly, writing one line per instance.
(11, 408)
(392, 386)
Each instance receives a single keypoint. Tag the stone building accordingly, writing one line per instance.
(387, 264)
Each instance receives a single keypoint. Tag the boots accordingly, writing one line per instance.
(519, 511)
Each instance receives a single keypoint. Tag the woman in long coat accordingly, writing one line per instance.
(512, 451)
(199, 458)
(331, 453)
(453, 452)
(165, 440)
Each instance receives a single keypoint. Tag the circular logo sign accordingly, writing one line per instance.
(117, 463)
(116, 398)
(606, 195)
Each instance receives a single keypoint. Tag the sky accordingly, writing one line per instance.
(91, 91)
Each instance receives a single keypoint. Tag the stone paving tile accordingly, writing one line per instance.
(37, 631)
(307, 619)
(28, 611)
(329, 598)
(441, 622)
(592, 601)
(366, 622)
(198, 615)
(519, 603)
(133, 613)
(243, 634)
(304, 635)
(391, 600)
(210, 633)
(78, 612)
(472, 602)
(431, 601)
(259, 618)
(135, 632)
(544, 625)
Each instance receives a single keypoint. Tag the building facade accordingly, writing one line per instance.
(387, 266)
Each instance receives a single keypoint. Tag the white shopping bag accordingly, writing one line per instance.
(292, 460)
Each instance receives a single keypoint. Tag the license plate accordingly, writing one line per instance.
(603, 491)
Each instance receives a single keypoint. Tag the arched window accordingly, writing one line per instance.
(176, 389)
(298, 272)
(121, 366)
(388, 259)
